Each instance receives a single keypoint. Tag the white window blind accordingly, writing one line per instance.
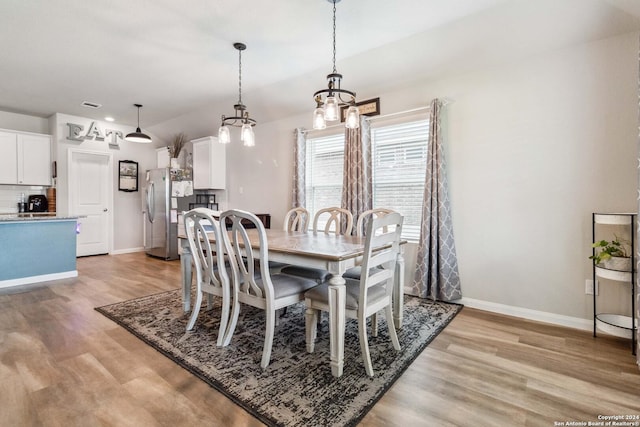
(399, 156)
(325, 163)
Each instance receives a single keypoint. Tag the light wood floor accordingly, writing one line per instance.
(64, 364)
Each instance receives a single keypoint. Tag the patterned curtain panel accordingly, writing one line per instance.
(299, 171)
(437, 275)
(357, 191)
(638, 237)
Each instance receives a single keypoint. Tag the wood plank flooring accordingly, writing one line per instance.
(64, 364)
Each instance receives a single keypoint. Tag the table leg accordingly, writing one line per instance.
(337, 302)
(185, 266)
(398, 292)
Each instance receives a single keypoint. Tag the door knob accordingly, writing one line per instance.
(104, 210)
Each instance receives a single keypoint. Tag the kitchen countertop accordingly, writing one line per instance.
(34, 216)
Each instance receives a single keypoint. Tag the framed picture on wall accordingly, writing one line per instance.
(128, 176)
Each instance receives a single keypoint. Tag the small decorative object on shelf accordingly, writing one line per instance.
(613, 261)
(175, 148)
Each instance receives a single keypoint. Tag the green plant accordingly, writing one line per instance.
(606, 249)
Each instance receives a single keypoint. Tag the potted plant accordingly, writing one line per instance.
(176, 146)
(612, 254)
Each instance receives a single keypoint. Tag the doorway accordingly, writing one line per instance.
(90, 198)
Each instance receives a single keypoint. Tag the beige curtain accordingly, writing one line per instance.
(299, 171)
(357, 191)
(437, 275)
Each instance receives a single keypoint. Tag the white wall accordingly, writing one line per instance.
(127, 209)
(533, 148)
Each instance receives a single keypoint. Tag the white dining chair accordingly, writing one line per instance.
(261, 289)
(297, 219)
(336, 220)
(354, 273)
(209, 262)
(368, 295)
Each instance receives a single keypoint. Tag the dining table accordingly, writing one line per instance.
(335, 253)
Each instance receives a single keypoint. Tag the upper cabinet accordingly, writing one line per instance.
(25, 158)
(209, 164)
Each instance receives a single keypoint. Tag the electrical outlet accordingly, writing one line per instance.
(588, 287)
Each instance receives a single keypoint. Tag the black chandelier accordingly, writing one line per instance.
(241, 115)
(330, 100)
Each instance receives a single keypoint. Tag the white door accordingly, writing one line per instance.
(90, 186)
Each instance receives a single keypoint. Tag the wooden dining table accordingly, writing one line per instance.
(331, 252)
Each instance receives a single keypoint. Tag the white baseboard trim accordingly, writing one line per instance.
(36, 279)
(526, 313)
(127, 251)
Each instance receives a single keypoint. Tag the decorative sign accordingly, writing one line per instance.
(370, 107)
(94, 133)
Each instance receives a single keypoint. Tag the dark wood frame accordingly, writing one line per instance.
(127, 175)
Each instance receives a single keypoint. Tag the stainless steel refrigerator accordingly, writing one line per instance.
(161, 210)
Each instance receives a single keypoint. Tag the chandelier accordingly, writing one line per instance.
(240, 117)
(330, 100)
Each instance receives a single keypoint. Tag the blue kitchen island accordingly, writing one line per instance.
(36, 248)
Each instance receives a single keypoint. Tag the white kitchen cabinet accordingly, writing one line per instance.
(209, 164)
(25, 158)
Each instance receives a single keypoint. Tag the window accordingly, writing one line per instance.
(399, 156)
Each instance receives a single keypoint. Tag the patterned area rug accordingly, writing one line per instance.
(297, 388)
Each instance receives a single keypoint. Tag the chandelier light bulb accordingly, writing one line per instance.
(224, 136)
(353, 118)
(331, 109)
(318, 119)
(247, 136)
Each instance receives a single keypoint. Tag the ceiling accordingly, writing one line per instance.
(177, 58)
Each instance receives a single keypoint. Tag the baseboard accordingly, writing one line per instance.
(127, 251)
(37, 279)
(526, 313)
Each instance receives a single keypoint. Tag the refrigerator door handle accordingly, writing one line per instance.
(150, 204)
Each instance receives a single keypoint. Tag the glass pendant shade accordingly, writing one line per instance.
(331, 109)
(318, 119)
(224, 136)
(247, 136)
(353, 118)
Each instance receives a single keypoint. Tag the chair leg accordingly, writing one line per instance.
(364, 344)
(311, 327)
(392, 329)
(374, 325)
(233, 321)
(224, 320)
(195, 310)
(268, 337)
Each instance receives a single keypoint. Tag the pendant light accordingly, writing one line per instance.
(330, 100)
(138, 136)
(241, 115)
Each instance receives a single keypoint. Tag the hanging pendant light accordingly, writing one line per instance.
(138, 136)
(241, 115)
(330, 100)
